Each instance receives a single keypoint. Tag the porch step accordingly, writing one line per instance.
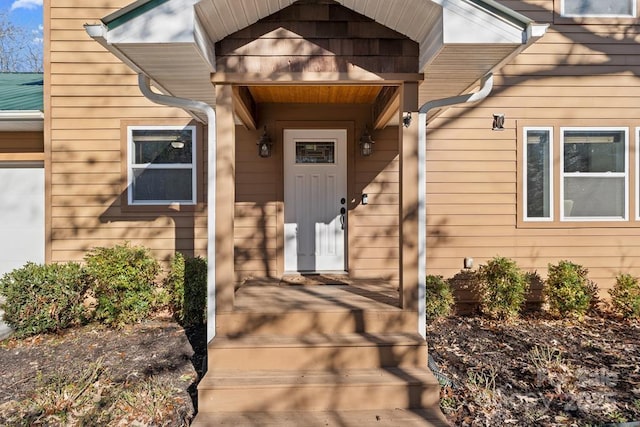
(355, 389)
(429, 417)
(301, 322)
(317, 352)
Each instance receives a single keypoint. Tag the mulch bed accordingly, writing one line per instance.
(158, 349)
(537, 370)
(532, 371)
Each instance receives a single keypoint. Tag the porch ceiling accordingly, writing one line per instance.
(172, 41)
(315, 94)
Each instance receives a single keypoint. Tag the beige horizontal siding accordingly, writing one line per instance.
(575, 75)
(375, 227)
(91, 94)
(256, 220)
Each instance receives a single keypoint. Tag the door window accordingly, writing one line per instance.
(315, 152)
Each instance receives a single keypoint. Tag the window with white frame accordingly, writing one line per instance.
(162, 165)
(594, 174)
(538, 174)
(598, 8)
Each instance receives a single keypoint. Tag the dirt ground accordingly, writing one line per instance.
(537, 371)
(155, 357)
(534, 371)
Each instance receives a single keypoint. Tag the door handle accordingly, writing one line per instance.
(342, 212)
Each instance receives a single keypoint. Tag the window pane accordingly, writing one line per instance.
(598, 7)
(315, 152)
(162, 184)
(162, 146)
(538, 174)
(594, 197)
(594, 151)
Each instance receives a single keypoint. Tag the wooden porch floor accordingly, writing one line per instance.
(315, 293)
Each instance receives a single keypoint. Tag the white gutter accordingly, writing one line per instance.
(21, 120)
(202, 107)
(21, 115)
(486, 86)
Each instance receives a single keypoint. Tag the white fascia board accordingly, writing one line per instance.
(204, 44)
(170, 22)
(173, 22)
(467, 22)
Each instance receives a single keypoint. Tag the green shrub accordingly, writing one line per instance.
(502, 289)
(439, 297)
(187, 283)
(625, 296)
(568, 290)
(43, 298)
(123, 283)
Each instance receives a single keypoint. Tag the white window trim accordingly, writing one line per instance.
(131, 166)
(525, 130)
(634, 12)
(595, 174)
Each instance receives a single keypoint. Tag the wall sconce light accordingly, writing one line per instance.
(264, 144)
(366, 143)
(498, 121)
(406, 120)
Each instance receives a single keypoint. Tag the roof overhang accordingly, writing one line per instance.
(21, 121)
(173, 41)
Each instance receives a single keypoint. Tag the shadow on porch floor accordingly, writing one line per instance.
(316, 293)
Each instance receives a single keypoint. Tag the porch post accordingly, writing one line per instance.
(225, 198)
(409, 174)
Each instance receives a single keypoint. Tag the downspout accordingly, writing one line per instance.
(486, 85)
(199, 106)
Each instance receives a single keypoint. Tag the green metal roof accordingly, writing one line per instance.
(21, 91)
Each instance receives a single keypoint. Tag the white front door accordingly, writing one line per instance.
(315, 193)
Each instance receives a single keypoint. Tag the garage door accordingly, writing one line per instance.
(21, 214)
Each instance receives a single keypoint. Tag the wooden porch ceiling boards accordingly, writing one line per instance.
(315, 94)
(384, 99)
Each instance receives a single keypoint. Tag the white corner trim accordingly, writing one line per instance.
(422, 224)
